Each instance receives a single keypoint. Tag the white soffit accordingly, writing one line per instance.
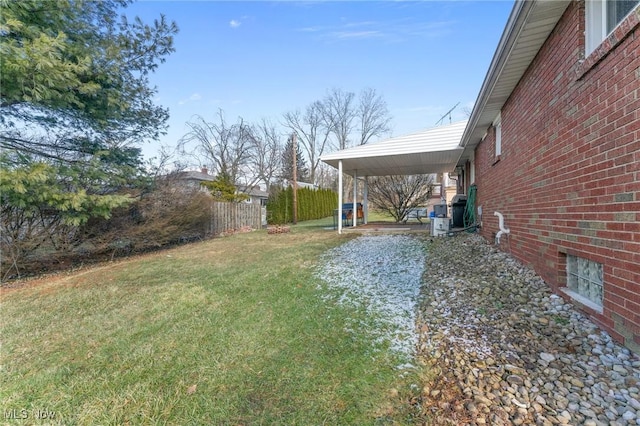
(434, 150)
(528, 27)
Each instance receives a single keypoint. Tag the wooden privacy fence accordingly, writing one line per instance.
(229, 217)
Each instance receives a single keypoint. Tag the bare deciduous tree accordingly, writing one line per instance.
(373, 115)
(326, 177)
(339, 113)
(229, 148)
(361, 118)
(266, 161)
(396, 195)
(312, 132)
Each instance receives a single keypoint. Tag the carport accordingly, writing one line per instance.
(434, 150)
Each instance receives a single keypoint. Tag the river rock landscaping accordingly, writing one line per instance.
(499, 347)
(504, 350)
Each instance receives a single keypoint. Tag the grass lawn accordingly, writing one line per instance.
(227, 331)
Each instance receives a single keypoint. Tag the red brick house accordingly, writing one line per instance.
(553, 144)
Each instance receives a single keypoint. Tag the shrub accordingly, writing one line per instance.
(312, 204)
(43, 209)
(166, 216)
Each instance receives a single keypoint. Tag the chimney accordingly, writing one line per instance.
(205, 171)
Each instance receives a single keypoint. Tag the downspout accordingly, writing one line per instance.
(503, 230)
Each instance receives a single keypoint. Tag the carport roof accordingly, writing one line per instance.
(434, 150)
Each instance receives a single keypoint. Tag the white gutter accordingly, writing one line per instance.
(517, 19)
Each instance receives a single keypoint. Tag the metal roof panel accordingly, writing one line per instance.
(433, 150)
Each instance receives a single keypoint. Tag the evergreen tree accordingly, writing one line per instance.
(75, 102)
(287, 163)
(223, 189)
(78, 72)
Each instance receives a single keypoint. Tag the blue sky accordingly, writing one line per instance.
(261, 58)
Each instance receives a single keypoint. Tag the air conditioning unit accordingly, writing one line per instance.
(439, 226)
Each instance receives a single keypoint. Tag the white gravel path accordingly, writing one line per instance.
(382, 274)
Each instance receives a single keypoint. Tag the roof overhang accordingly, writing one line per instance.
(434, 150)
(528, 27)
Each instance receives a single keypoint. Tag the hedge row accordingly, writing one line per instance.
(312, 204)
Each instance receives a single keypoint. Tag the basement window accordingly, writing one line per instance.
(602, 17)
(585, 281)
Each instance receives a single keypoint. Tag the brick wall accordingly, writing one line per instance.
(568, 178)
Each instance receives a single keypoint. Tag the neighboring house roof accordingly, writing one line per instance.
(204, 176)
(300, 184)
(433, 150)
(306, 185)
(254, 192)
(528, 27)
(194, 175)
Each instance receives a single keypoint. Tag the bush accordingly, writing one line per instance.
(168, 215)
(43, 208)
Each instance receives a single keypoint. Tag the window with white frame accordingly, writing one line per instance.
(497, 123)
(602, 17)
(585, 279)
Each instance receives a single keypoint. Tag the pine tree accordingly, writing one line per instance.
(78, 72)
(223, 189)
(287, 163)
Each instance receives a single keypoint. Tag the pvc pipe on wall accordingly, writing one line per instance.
(503, 230)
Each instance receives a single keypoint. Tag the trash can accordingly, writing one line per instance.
(458, 206)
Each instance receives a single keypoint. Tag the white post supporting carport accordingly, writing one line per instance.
(365, 200)
(355, 197)
(339, 196)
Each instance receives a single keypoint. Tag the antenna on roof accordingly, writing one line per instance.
(448, 113)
